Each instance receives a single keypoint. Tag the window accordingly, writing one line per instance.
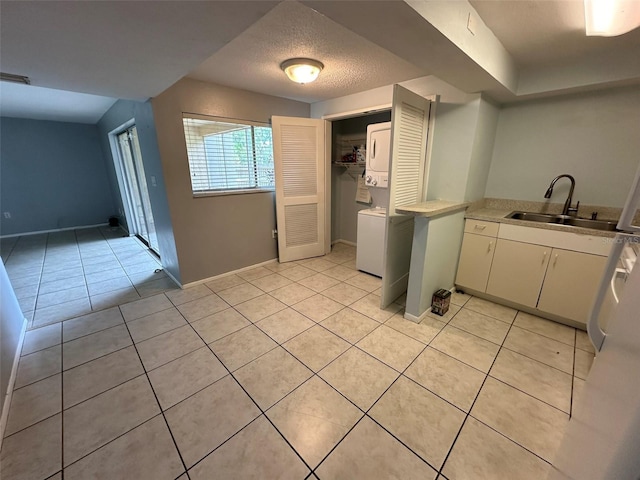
(226, 156)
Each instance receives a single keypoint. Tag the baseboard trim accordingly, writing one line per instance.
(240, 270)
(346, 242)
(12, 381)
(172, 277)
(423, 315)
(39, 232)
(415, 319)
(226, 274)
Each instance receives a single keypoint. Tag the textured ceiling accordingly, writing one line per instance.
(137, 49)
(352, 64)
(548, 32)
(129, 49)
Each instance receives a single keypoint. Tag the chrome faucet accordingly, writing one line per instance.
(566, 210)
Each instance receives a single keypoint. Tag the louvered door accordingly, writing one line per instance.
(409, 128)
(301, 199)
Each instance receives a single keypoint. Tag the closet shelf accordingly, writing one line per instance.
(350, 167)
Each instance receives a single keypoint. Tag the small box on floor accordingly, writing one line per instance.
(440, 301)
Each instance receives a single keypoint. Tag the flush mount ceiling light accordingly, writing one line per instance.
(609, 18)
(302, 70)
(11, 77)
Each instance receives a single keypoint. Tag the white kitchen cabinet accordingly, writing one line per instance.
(476, 254)
(517, 271)
(555, 274)
(570, 284)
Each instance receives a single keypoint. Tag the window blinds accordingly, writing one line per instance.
(228, 156)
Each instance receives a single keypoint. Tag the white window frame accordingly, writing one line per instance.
(192, 144)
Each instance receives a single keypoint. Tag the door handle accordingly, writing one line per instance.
(373, 156)
(555, 260)
(480, 227)
(619, 271)
(596, 334)
(630, 207)
(544, 257)
(490, 247)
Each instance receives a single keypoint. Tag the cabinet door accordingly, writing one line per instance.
(517, 271)
(475, 261)
(571, 283)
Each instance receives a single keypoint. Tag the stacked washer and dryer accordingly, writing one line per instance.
(372, 221)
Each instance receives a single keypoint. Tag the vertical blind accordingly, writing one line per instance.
(225, 155)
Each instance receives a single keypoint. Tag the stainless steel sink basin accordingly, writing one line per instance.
(564, 220)
(535, 217)
(588, 223)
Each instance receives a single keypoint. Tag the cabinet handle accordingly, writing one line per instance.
(555, 260)
(480, 227)
(544, 257)
(490, 246)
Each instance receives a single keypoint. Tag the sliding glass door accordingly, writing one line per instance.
(141, 224)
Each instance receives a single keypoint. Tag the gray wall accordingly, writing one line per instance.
(214, 235)
(142, 113)
(595, 137)
(11, 323)
(344, 208)
(52, 175)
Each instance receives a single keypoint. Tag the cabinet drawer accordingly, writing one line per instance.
(479, 227)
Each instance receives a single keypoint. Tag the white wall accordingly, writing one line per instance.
(482, 150)
(434, 259)
(12, 325)
(595, 137)
(453, 137)
(454, 134)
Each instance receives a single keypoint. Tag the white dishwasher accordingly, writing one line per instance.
(370, 252)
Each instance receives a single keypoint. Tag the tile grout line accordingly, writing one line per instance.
(573, 376)
(35, 304)
(366, 413)
(489, 426)
(468, 414)
(262, 412)
(316, 374)
(146, 373)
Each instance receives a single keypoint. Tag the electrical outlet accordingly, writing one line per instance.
(7, 214)
(274, 233)
(153, 181)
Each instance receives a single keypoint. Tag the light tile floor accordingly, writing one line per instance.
(291, 371)
(66, 274)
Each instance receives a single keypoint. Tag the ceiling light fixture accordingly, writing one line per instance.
(11, 77)
(302, 70)
(610, 18)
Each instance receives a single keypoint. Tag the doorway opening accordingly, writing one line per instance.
(133, 188)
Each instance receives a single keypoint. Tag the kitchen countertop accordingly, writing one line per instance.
(499, 214)
(432, 208)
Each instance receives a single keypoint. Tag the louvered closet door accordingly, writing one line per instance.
(301, 200)
(409, 129)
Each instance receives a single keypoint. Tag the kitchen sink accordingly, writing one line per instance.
(564, 220)
(535, 217)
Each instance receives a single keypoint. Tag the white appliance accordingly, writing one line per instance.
(602, 440)
(377, 158)
(370, 252)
